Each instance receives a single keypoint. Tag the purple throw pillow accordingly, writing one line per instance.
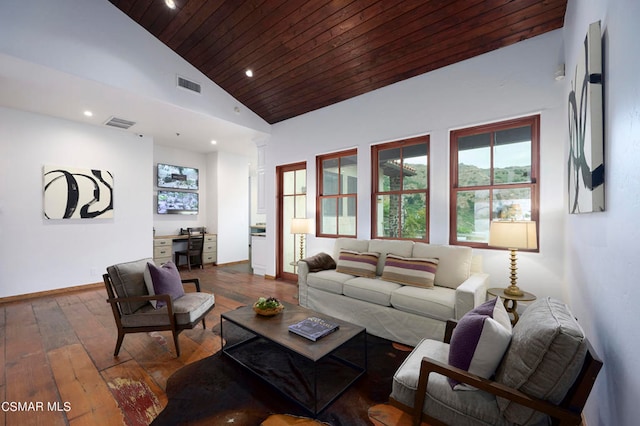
(166, 280)
(479, 341)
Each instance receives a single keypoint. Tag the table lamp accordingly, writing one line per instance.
(301, 226)
(513, 235)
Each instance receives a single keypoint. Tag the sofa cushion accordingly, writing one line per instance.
(546, 354)
(357, 263)
(435, 302)
(128, 281)
(320, 262)
(454, 262)
(166, 280)
(410, 270)
(329, 280)
(370, 290)
(479, 341)
(385, 247)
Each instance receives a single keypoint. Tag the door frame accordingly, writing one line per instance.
(280, 171)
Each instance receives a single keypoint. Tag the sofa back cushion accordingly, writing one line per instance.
(546, 354)
(384, 247)
(128, 281)
(454, 262)
(349, 244)
(413, 271)
(356, 263)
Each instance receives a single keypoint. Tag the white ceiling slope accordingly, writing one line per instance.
(104, 62)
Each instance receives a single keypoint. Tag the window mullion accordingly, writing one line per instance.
(491, 167)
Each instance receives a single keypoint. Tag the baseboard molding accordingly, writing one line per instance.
(269, 277)
(56, 292)
(238, 262)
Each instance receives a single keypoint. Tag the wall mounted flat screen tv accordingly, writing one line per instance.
(177, 202)
(177, 177)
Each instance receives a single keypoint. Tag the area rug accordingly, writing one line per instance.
(217, 391)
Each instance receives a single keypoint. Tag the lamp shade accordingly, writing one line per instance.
(513, 234)
(301, 226)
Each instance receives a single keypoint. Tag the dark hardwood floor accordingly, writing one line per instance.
(57, 353)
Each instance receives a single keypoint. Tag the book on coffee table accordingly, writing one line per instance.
(313, 328)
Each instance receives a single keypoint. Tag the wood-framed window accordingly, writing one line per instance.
(494, 175)
(336, 213)
(400, 190)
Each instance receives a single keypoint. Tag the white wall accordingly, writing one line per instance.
(232, 198)
(37, 254)
(602, 259)
(170, 224)
(510, 82)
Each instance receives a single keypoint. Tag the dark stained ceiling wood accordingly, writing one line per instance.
(307, 55)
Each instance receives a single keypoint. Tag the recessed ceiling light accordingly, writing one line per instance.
(213, 142)
(88, 113)
(248, 73)
(170, 4)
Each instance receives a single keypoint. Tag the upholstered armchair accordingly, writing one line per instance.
(132, 288)
(545, 375)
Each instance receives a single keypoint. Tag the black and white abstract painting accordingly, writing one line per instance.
(72, 193)
(586, 129)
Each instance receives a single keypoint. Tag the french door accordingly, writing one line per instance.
(292, 203)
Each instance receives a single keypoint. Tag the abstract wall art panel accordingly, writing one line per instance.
(586, 129)
(71, 193)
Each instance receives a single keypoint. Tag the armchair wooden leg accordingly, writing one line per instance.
(204, 326)
(176, 343)
(118, 343)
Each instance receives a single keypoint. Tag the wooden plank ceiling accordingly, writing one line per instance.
(307, 54)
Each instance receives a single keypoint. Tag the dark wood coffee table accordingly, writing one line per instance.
(303, 370)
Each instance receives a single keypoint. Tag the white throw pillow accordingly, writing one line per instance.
(480, 340)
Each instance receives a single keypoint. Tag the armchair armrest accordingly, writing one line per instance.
(429, 366)
(448, 330)
(165, 297)
(195, 281)
(471, 293)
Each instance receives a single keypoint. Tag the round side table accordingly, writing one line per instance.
(511, 302)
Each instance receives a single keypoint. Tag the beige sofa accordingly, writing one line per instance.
(401, 313)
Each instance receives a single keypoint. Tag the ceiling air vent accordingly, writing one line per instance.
(189, 85)
(120, 123)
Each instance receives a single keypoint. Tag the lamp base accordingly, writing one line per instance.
(301, 247)
(513, 290)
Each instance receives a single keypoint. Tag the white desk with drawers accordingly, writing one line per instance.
(163, 248)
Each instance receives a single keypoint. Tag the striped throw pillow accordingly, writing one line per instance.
(358, 264)
(417, 272)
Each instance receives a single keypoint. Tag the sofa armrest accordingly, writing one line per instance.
(471, 293)
(303, 272)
